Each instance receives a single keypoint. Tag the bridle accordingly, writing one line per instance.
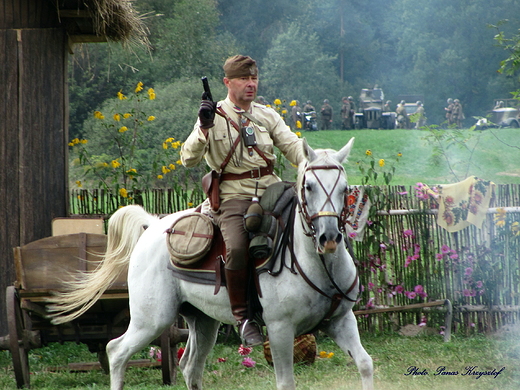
(341, 215)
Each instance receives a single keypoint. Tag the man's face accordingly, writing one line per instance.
(242, 90)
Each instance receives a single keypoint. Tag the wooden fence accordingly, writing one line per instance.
(405, 257)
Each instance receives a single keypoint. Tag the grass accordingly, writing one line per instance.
(392, 354)
(493, 154)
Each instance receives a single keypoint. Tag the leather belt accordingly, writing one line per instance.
(253, 174)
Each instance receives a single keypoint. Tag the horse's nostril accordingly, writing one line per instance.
(323, 239)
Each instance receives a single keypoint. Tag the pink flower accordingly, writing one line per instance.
(410, 294)
(454, 256)
(418, 288)
(479, 284)
(445, 249)
(244, 351)
(382, 246)
(352, 234)
(466, 292)
(423, 321)
(370, 303)
(248, 362)
(222, 360)
(399, 289)
(408, 261)
(370, 285)
(408, 233)
(468, 271)
(438, 256)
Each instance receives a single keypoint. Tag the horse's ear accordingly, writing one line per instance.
(308, 152)
(343, 154)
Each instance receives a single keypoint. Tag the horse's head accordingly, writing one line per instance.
(322, 184)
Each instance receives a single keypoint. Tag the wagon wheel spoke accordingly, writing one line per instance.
(16, 325)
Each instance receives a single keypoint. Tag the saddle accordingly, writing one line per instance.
(209, 269)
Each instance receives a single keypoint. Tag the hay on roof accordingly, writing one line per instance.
(118, 21)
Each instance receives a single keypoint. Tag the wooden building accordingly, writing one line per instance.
(36, 38)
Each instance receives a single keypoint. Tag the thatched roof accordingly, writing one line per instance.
(102, 20)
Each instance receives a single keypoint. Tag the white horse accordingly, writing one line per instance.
(319, 295)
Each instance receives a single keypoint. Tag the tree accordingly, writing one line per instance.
(296, 68)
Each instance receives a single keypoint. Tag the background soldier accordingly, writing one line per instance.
(449, 111)
(403, 122)
(345, 114)
(296, 115)
(421, 118)
(457, 116)
(326, 115)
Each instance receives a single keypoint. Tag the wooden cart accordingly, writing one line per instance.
(41, 266)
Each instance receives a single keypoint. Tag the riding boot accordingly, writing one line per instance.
(237, 281)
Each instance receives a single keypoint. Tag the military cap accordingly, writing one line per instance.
(240, 66)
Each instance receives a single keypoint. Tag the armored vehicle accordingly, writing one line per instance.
(370, 113)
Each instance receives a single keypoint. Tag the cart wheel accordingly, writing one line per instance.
(169, 356)
(17, 345)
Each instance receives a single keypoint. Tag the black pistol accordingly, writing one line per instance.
(207, 91)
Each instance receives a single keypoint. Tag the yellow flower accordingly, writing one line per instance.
(176, 144)
(299, 134)
(284, 111)
(83, 141)
(120, 95)
(190, 204)
(164, 145)
(500, 217)
(515, 228)
(382, 162)
(131, 170)
(123, 129)
(165, 170)
(399, 154)
(368, 152)
(105, 165)
(268, 105)
(330, 355)
(139, 87)
(127, 115)
(178, 162)
(277, 102)
(160, 177)
(98, 115)
(117, 117)
(123, 192)
(78, 183)
(292, 103)
(298, 125)
(171, 139)
(115, 164)
(151, 118)
(151, 93)
(172, 166)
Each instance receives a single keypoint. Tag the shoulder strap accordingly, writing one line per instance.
(222, 113)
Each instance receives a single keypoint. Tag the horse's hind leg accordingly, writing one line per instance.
(201, 339)
(120, 350)
(344, 332)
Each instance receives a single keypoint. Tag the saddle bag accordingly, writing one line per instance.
(189, 238)
(211, 187)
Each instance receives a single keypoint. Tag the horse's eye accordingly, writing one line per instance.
(308, 187)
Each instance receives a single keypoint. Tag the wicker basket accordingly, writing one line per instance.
(304, 350)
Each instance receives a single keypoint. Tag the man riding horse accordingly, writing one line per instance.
(236, 137)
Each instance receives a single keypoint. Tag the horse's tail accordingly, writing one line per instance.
(124, 229)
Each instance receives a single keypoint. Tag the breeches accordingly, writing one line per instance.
(230, 220)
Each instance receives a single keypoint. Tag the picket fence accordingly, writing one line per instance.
(478, 270)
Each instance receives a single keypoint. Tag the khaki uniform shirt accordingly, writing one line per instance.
(272, 132)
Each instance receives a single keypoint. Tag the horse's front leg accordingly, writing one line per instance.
(281, 341)
(344, 332)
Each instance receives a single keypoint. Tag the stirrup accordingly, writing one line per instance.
(250, 334)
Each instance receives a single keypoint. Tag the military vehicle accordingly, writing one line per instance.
(370, 113)
(505, 113)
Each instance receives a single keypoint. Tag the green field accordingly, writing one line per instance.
(491, 154)
(392, 355)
